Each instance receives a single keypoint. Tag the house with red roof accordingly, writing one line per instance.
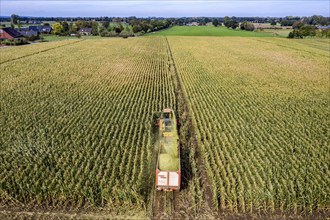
(9, 33)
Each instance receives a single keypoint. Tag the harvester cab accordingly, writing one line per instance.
(166, 122)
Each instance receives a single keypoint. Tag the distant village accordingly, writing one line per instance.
(16, 30)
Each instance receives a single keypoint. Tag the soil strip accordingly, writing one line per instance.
(207, 192)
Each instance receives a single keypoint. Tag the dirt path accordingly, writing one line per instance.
(207, 195)
(164, 205)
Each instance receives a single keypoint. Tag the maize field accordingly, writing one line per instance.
(261, 111)
(76, 125)
(76, 122)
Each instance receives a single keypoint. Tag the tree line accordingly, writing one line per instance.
(284, 21)
(302, 27)
(107, 28)
(306, 27)
(128, 26)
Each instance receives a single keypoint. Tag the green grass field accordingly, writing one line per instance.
(208, 31)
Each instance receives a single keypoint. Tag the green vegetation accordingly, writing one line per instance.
(57, 28)
(170, 147)
(169, 157)
(56, 37)
(207, 31)
(168, 162)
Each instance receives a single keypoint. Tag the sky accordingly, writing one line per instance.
(164, 8)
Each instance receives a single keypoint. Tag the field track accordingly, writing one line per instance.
(164, 203)
(39, 51)
(312, 51)
(207, 195)
(167, 204)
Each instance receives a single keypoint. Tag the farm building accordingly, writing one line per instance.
(85, 31)
(9, 33)
(323, 27)
(22, 29)
(41, 29)
(29, 33)
(193, 24)
(34, 22)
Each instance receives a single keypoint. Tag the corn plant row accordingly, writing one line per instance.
(9, 54)
(261, 118)
(75, 127)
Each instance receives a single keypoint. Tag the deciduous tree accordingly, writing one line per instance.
(14, 19)
(106, 24)
(248, 26)
(215, 22)
(57, 28)
(226, 21)
(95, 28)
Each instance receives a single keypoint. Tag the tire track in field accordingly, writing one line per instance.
(292, 48)
(41, 51)
(205, 183)
(164, 204)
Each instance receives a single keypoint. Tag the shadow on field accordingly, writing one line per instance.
(184, 137)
